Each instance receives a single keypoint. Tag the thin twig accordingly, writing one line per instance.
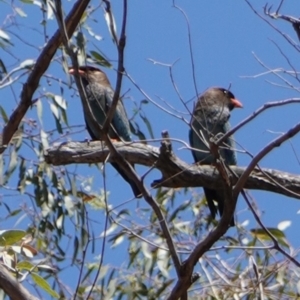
(120, 46)
(275, 242)
(279, 6)
(255, 114)
(176, 173)
(287, 38)
(275, 143)
(190, 46)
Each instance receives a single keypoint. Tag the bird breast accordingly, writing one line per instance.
(213, 115)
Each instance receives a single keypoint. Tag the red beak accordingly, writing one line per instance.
(236, 103)
(73, 71)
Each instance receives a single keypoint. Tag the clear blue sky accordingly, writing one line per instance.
(225, 37)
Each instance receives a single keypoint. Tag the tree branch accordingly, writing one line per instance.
(120, 46)
(268, 148)
(38, 70)
(255, 114)
(12, 287)
(176, 173)
(294, 21)
(113, 152)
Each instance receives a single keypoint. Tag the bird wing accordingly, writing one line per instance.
(199, 136)
(227, 151)
(120, 123)
(100, 101)
(207, 123)
(192, 139)
(96, 101)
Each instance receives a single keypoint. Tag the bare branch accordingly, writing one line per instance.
(274, 240)
(255, 114)
(186, 278)
(121, 47)
(190, 46)
(275, 143)
(287, 38)
(176, 173)
(12, 287)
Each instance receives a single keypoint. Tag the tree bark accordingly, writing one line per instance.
(175, 172)
(12, 287)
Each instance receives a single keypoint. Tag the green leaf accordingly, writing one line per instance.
(20, 12)
(91, 32)
(27, 64)
(25, 265)
(50, 13)
(15, 212)
(3, 114)
(278, 234)
(64, 117)
(99, 59)
(60, 101)
(137, 132)
(76, 248)
(261, 233)
(22, 176)
(148, 124)
(181, 207)
(59, 221)
(10, 237)
(111, 24)
(58, 126)
(42, 283)
(4, 35)
(54, 110)
(80, 40)
(12, 164)
(39, 111)
(2, 65)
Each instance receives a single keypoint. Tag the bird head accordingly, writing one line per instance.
(222, 97)
(90, 74)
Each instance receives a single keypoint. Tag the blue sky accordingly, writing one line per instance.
(226, 38)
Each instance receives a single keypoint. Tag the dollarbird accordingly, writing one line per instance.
(99, 94)
(210, 118)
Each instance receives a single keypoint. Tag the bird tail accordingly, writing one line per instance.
(136, 191)
(212, 195)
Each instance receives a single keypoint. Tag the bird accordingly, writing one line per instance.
(210, 118)
(99, 94)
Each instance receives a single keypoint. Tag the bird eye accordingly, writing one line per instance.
(225, 92)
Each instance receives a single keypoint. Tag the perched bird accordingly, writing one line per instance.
(210, 118)
(99, 94)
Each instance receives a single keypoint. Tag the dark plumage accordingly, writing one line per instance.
(211, 117)
(100, 94)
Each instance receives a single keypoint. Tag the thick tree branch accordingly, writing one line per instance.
(38, 70)
(186, 279)
(12, 287)
(176, 173)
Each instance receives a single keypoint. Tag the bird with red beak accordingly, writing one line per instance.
(210, 118)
